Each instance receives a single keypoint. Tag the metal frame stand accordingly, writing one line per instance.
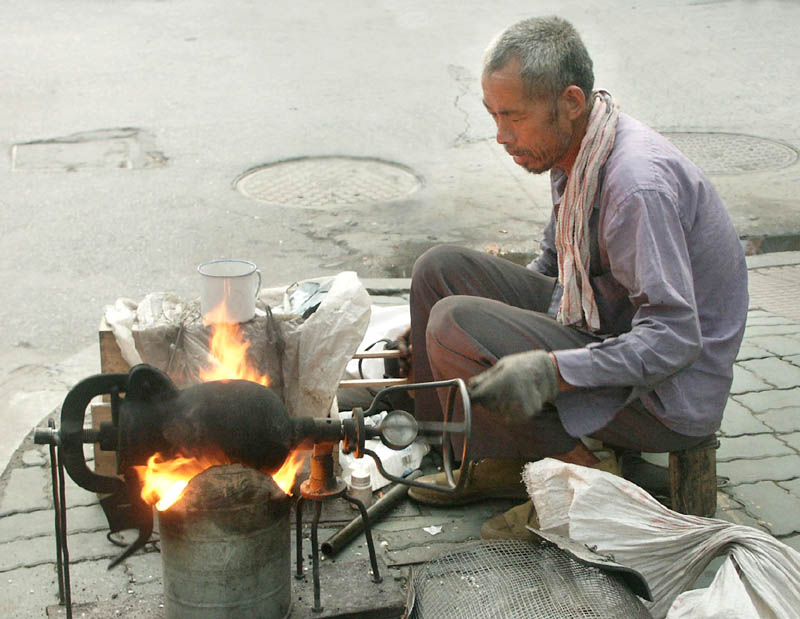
(60, 527)
(319, 487)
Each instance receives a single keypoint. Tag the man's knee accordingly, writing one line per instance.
(456, 323)
(448, 315)
(452, 348)
(439, 260)
(487, 329)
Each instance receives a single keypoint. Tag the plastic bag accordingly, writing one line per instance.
(120, 317)
(304, 357)
(386, 322)
(726, 597)
(670, 550)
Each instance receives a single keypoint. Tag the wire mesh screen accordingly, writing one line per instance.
(515, 579)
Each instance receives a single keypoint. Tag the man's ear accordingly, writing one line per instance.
(572, 102)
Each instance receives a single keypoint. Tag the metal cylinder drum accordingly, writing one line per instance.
(225, 547)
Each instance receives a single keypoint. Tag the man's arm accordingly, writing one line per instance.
(647, 247)
(648, 256)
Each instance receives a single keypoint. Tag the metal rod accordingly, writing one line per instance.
(298, 510)
(418, 484)
(64, 548)
(352, 529)
(425, 427)
(315, 555)
(391, 353)
(57, 524)
(376, 577)
(373, 382)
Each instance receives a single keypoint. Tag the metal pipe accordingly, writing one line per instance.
(351, 530)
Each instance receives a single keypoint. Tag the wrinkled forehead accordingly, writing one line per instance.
(504, 92)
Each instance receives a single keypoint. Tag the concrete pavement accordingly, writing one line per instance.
(759, 457)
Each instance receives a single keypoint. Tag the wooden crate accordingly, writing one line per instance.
(111, 362)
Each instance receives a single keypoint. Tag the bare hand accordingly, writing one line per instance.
(405, 361)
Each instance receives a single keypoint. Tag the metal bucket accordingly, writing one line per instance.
(225, 547)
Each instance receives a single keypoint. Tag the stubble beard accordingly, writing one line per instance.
(553, 156)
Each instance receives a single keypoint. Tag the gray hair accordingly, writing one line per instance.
(551, 54)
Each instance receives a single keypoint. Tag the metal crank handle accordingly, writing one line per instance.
(399, 429)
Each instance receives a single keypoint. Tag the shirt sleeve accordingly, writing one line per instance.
(546, 262)
(646, 246)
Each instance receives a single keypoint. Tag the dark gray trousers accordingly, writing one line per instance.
(468, 309)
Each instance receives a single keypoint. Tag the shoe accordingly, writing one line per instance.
(513, 523)
(486, 479)
(608, 462)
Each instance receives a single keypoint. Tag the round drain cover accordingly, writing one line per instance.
(732, 153)
(327, 182)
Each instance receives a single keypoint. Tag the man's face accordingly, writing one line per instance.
(531, 131)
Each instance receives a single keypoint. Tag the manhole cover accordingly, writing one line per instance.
(326, 182)
(732, 153)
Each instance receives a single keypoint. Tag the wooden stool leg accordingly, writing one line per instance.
(693, 480)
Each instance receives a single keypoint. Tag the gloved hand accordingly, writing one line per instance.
(517, 386)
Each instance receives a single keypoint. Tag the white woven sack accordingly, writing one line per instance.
(669, 549)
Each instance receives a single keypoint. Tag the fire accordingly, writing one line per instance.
(164, 481)
(286, 474)
(227, 355)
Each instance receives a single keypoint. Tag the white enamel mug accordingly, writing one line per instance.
(228, 290)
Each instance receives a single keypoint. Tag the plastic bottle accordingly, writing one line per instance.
(360, 488)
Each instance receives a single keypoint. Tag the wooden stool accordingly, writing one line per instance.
(693, 479)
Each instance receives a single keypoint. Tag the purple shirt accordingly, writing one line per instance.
(670, 281)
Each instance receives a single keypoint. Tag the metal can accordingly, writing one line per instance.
(225, 547)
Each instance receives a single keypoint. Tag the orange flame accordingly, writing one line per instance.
(165, 480)
(287, 473)
(227, 356)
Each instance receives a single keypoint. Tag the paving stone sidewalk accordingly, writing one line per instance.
(759, 457)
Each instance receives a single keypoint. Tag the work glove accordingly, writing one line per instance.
(517, 386)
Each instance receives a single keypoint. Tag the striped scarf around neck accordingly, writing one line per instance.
(578, 305)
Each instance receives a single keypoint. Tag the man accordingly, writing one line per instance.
(626, 326)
